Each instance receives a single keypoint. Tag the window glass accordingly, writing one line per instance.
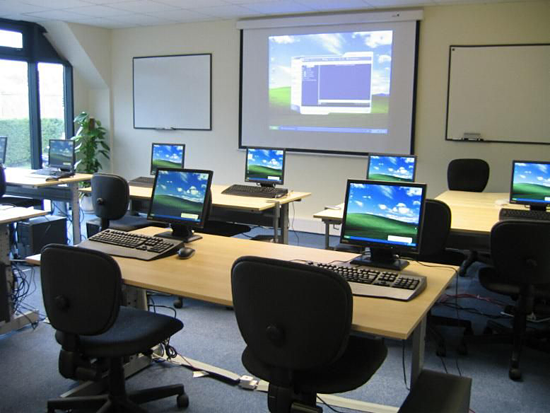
(14, 111)
(11, 39)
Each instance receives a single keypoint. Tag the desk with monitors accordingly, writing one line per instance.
(61, 159)
(163, 155)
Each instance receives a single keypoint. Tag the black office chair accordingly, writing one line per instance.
(110, 198)
(469, 175)
(520, 252)
(435, 231)
(82, 296)
(296, 321)
(18, 201)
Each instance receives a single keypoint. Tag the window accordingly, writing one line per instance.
(36, 102)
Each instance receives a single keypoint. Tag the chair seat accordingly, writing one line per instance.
(362, 357)
(493, 281)
(134, 331)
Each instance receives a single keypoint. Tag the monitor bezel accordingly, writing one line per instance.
(152, 172)
(266, 182)
(61, 167)
(4, 140)
(534, 203)
(174, 220)
(393, 155)
(395, 248)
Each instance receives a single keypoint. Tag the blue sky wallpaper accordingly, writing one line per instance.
(400, 203)
(401, 167)
(272, 158)
(173, 153)
(532, 173)
(185, 185)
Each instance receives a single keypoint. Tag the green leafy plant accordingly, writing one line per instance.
(90, 144)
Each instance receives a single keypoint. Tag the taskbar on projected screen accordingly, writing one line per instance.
(319, 129)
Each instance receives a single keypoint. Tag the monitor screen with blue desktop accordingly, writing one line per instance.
(167, 155)
(531, 184)
(387, 217)
(61, 154)
(3, 149)
(398, 168)
(181, 197)
(265, 166)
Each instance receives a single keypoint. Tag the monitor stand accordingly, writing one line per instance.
(537, 208)
(180, 232)
(267, 185)
(381, 258)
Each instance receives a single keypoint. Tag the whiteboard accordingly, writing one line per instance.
(173, 92)
(501, 92)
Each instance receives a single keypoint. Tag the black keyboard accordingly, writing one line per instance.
(507, 213)
(257, 191)
(130, 245)
(365, 281)
(142, 181)
(54, 173)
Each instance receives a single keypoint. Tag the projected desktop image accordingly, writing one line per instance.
(265, 166)
(330, 82)
(167, 155)
(181, 197)
(61, 154)
(531, 184)
(397, 168)
(387, 217)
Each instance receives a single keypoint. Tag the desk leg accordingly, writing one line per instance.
(276, 214)
(75, 211)
(418, 347)
(327, 235)
(284, 223)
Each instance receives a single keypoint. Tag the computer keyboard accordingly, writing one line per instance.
(130, 245)
(54, 173)
(142, 181)
(507, 213)
(369, 282)
(256, 191)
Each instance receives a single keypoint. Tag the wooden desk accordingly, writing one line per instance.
(233, 205)
(8, 320)
(21, 181)
(207, 276)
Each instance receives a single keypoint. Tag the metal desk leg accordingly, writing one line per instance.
(284, 223)
(276, 214)
(417, 362)
(75, 210)
(327, 235)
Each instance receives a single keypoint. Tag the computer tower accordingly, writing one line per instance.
(33, 234)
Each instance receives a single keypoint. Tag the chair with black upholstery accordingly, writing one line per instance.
(110, 198)
(296, 322)
(471, 175)
(18, 201)
(520, 252)
(435, 231)
(82, 296)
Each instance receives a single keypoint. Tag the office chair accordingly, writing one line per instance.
(18, 201)
(435, 231)
(110, 198)
(296, 322)
(82, 296)
(469, 175)
(520, 252)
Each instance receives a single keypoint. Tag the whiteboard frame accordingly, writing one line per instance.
(189, 122)
(447, 138)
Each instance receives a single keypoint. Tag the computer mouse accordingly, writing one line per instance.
(186, 252)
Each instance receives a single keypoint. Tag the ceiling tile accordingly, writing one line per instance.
(228, 12)
(183, 16)
(193, 4)
(16, 7)
(143, 6)
(279, 7)
(99, 11)
(57, 4)
(335, 4)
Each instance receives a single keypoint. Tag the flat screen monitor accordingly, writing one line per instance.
(387, 217)
(181, 197)
(265, 166)
(531, 184)
(396, 168)
(3, 149)
(61, 154)
(167, 155)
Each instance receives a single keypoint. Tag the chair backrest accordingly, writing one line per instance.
(437, 225)
(110, 197)
(521, 251)
(81, 289)
(291, 316)
(2, 181)
(467, 175)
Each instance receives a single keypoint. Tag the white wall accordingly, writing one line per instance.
(324, 176)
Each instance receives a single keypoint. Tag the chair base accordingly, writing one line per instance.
(128, 402)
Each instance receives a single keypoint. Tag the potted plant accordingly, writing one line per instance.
(90, 144)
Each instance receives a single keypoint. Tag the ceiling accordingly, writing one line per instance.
(135, 13)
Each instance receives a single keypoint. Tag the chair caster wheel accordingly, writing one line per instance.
(178, 302)
(183, 401)
(514, 373)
